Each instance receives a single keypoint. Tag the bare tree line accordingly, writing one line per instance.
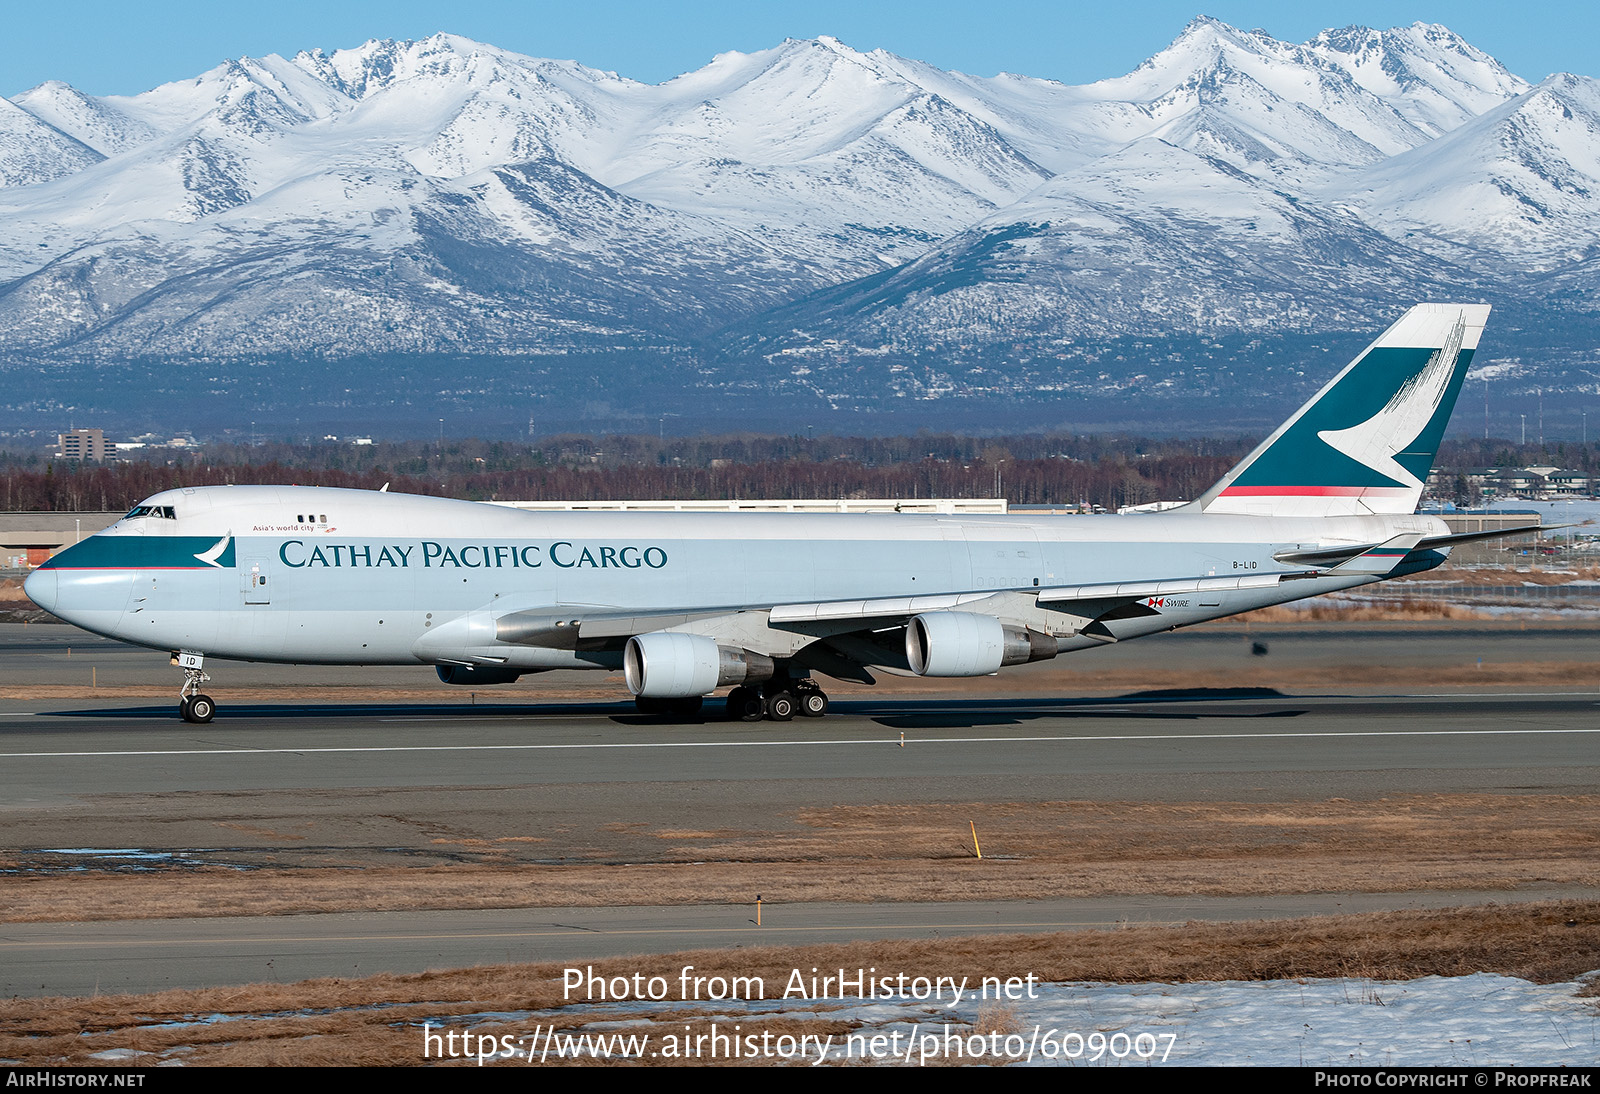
(1108, 471)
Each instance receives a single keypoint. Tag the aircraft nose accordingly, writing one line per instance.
(42, 589)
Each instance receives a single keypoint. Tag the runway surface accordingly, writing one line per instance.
(359, 783)
(61, 760)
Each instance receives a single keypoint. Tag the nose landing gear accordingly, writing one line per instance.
(192, 705)
(197, 708)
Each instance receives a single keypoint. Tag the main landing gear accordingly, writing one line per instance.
(192, 705)
(777, 699)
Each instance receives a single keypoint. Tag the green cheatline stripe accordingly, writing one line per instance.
(141, 553)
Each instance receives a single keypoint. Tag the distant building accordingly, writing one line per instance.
(1528, 482)
(82, 444)
(27, 539)
(1569, 483)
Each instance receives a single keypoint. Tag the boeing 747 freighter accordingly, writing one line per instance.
(764, 604)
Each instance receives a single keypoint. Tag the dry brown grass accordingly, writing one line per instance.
(912, 853)
(379, 1020)
(1339, 610)
(995, 1017)
(1553, 573)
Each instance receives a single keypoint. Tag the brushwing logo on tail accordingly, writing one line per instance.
(1365, 442)
(1376, 441)
(210, 558)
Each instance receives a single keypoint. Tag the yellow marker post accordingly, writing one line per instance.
(975, 846)
(758, 910)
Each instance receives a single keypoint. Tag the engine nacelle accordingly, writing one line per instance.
(669, 665)
(477, 675)
(968, 644)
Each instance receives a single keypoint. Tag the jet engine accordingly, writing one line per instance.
(967, 644)
(477, 675)
(669, 665)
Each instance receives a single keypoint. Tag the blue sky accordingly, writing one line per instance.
(125, 47)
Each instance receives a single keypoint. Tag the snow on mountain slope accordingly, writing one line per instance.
(457, 106)
(447, 196)
(517, 259)
(1521, 183)
(33, 151)
(818, 137)
(1431, 75)
(96, 122)
(1153, 238)
(1299, 111)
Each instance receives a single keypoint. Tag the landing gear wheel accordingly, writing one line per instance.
(745, 705)
(813, 702)
(781, 706)
(198, 708)
(193, 706)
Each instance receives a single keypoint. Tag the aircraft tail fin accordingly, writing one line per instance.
(1365, 442)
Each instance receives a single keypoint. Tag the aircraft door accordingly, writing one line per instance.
(1004, 556)
(253, 578)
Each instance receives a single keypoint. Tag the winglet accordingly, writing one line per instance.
(1365, 442)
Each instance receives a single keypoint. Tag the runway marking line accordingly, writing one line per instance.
(1099, 738)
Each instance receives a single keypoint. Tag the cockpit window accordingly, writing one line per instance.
(163, 512)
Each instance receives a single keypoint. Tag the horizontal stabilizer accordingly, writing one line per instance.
(1336, 557)
(1382, 558)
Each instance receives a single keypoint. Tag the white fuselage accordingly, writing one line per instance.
(315, 575)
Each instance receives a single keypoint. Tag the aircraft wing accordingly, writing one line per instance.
(842, 638)
(1097, 605)
(839, 637)
(865, 611)
(601, 627)
(585, 627)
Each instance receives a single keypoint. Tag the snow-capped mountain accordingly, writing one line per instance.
(1520, 183)
(448, 199)
(33, 151)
